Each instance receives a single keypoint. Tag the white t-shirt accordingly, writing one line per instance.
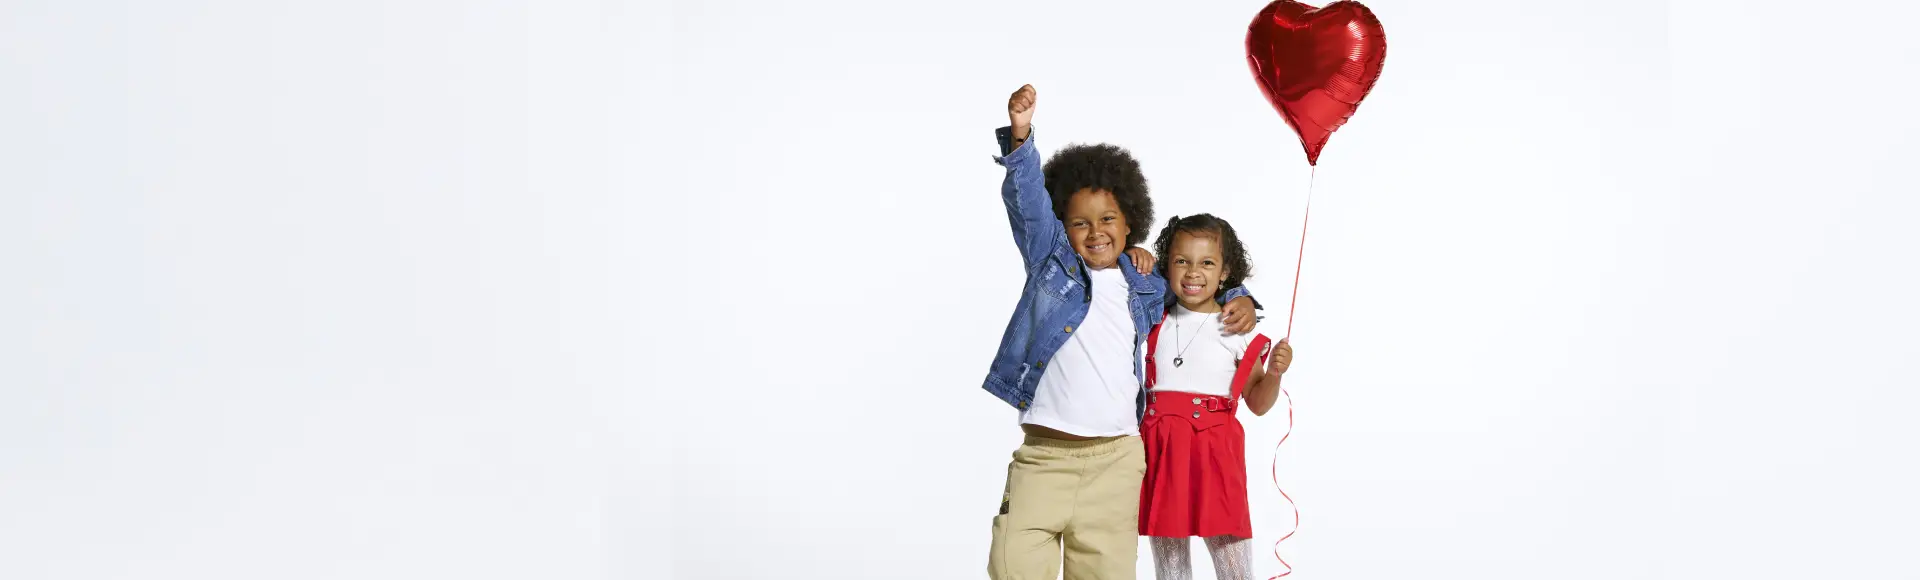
(1207, 359)
(1088, 389)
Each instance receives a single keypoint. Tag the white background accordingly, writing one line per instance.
(706, 290)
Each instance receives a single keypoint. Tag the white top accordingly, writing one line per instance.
(1207, 359)
(1088, 388)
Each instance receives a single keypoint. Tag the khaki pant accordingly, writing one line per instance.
(1084, 495)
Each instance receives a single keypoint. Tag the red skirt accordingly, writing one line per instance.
(1196, 483)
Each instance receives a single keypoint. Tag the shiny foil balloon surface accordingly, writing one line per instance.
(1315, 65)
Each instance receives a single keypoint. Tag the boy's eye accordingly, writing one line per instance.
(1107, 219)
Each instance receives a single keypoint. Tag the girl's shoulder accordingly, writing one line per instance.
(1241, 342)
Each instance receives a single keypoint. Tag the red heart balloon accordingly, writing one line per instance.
(1315, 64)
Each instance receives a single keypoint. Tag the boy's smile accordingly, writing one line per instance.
(1096, 227)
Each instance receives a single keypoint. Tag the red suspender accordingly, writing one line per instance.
(1254, 356)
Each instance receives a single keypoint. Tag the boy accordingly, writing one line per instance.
(1065, 358)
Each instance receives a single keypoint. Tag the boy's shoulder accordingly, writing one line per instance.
(1152, 282)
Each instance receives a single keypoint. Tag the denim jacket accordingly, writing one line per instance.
(1055, 299)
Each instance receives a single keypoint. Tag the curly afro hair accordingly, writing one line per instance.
(1239, 268)
(1099, 167)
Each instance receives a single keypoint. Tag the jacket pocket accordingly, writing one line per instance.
(1057, 280)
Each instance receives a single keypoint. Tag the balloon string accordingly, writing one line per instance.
(1274, 467)
(1298, 259)
(1275, 472)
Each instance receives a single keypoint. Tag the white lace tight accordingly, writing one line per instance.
(1232, 557)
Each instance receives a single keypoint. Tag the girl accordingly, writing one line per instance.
(1196, 481)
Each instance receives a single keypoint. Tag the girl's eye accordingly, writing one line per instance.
(1107, 219)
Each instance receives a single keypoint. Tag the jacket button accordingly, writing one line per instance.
(1069, 328)
(1196, 400)
(1196, 414)
(1040, 364)
(1023, 405)
(1149, 411)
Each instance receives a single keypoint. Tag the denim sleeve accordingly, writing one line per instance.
(1029, 209)
(1237, 292)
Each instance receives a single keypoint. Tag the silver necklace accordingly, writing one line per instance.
(1180, 357)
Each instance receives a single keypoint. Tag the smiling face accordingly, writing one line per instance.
(1096, 227)
(1195, 267)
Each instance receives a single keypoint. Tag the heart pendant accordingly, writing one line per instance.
(1177, 361)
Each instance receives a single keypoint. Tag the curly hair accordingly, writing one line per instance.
(1239, 267)
(1101, 167)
